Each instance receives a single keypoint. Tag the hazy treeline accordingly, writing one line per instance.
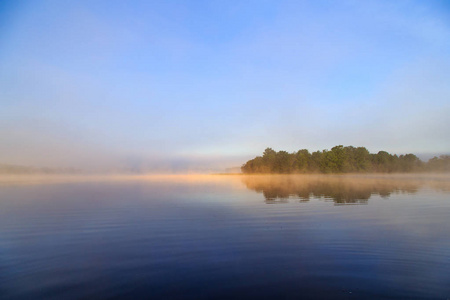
(342, 159)
(16, 169)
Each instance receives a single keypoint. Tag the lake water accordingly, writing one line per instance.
(226, 237)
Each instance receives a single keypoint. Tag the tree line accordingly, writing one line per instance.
(342, 159)
(17, 169)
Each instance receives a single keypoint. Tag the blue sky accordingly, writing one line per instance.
(209, 84)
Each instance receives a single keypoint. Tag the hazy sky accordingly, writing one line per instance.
(210, 84)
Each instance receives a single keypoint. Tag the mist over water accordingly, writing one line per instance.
(203, 237)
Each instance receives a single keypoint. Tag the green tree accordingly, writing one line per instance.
(315, 162)
(269, 158)
(302, 161)
(283, 162)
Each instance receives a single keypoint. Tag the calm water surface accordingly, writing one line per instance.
(227, 237)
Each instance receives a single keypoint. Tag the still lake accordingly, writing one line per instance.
(225, 237)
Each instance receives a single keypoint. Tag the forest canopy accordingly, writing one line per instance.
(342, 159)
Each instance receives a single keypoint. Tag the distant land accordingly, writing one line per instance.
(233, 170)
(342, 159)
(17, 169)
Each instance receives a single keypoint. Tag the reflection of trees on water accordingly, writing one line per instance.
(340, 190)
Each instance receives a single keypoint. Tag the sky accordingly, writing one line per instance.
(206, 85)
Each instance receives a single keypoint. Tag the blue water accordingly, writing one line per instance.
(226, 238)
